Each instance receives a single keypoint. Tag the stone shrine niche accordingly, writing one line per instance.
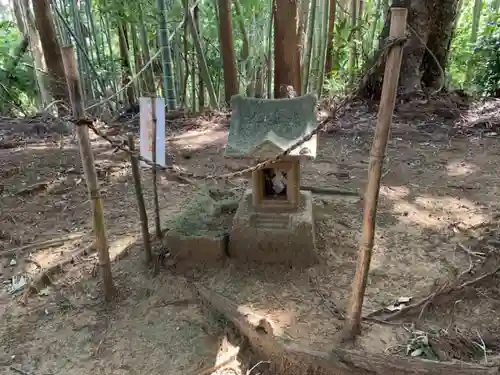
(274, 221)
(277, 184)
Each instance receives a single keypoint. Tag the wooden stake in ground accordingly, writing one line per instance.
(155, 179)
(75, 94)
(143, 216)
(391, 77)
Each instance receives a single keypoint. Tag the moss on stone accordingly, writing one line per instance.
(206, 213)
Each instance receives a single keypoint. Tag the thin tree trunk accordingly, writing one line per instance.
(201, 86)
(245, 48)
(269, 58)
(259, 82)
(150, 84)
(309, 47)
(378, 9)
(93, 31)
(78, 33)
(323, 39)
(137, 59)
(51, 51)
(166, 56)
(143, 216)
(125, 63)
(227, 50)
(19, 16)
(179, 65)
(329, 38)
(194, 69)
(187, 68)
(476, 17)
(361, 6)
(202, 61)
(24, 10)
(87, 156)
(107, 33)
(302, 23)
(353, 49)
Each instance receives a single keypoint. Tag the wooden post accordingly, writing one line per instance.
(143, 216)
(155, 179)
(75, 95)
(391, 77)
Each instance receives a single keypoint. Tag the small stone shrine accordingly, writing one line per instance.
(274, 221)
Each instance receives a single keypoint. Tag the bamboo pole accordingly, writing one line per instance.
(143, 216)
(75, 94)
(391, 77)
(155, 178)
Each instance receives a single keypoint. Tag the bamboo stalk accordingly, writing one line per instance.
(75, 94)
(391, 77)
(155, 179)
(143, 216)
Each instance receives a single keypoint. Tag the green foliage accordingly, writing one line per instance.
(17, 84)
(487, 59)
(460, 50)
(337, 81)
(102, 19)
(485, 53)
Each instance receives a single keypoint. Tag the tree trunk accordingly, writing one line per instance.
(150, 81)
(125, 64)
(259, 82)
(166, 55)
(353, 51)
(201, 85)
(439, 42)
(433, 22)
(25, 17)
(302, 24)
(306, 69)
(51, 51)
(18, 15)
(286, 59)
(227, 48)
(136, 53)
(329, 38)
(419, 18)
(476, 17)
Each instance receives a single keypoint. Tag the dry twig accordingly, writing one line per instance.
(37, 246)
(44, 276)
(446, 288)
(19, 371)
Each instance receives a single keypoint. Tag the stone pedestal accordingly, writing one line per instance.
(206, 249)
(269, 235)
(198, 234)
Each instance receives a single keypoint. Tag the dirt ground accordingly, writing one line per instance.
(437, 217)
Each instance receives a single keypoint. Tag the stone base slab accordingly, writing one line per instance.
(266, 236)
(202, 250)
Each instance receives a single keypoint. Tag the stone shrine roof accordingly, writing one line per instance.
(263, 128)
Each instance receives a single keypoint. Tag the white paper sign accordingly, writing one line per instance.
(146, 131)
